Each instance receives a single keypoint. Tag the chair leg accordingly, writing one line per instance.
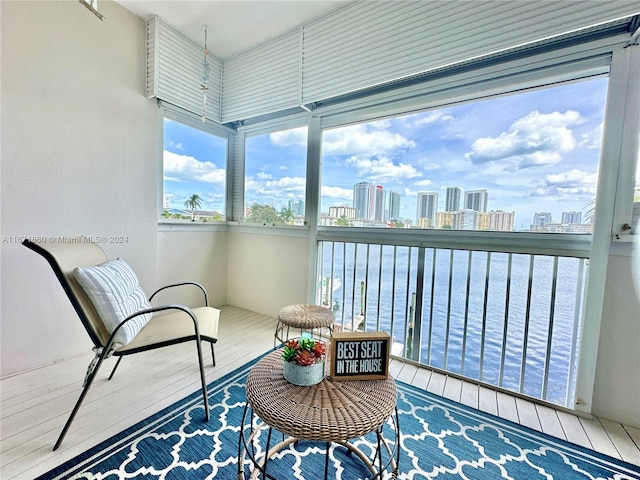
(213, 355)
(115, 367)
(85, 389)
(203, 381)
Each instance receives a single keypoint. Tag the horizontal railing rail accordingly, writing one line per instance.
(504, 318)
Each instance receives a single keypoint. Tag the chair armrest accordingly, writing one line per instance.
(160, 308)
(201, 287)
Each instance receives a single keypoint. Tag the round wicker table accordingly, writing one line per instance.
(310, 318)
(330, 412)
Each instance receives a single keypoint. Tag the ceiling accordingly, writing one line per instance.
(233, 26)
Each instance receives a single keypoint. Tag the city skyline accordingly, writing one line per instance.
(541, 152)
(368, 195)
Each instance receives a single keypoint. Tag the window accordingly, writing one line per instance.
(194, 173)
(275, 177)
(521, 162)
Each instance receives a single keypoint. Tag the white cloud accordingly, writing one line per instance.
(423, 183)
(592, 140)
(363, 139)
(184, 168)
(382, 169)
(535, 139)
(574, 184)
(380, 124)
(433, 117)
(263, 176)
(337, 192)
(285, 187)
(431, 166)
(286, 138)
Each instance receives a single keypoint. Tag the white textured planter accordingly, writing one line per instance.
(303, 375)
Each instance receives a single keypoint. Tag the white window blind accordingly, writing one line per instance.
(174, 71)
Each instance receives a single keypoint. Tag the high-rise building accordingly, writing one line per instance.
(394, 205)
(571, 217)
(476, 200)
(452, 199)
(465, 219)
(378, 204)
(363, 200)
(427, 206)
(342, 211)
(296, 206)
(368, 200)
(425, 223)
(445, 220)
(496, 220)
(540, 219)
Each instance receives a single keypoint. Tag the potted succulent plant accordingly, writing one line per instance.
(304, 360)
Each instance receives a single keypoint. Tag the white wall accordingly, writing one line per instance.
(78, 158)
(193, 255)
(617, 384)
(267, 272)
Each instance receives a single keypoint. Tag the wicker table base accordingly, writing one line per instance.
(303, 318)
(329, 412)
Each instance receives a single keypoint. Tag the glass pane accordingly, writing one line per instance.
(275, 177)
(194, 174)
(522, 162)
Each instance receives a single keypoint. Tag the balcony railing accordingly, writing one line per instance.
(506, 319)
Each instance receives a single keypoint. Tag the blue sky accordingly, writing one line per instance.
(533, 151)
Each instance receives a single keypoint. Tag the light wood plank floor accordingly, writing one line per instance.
(35, 405)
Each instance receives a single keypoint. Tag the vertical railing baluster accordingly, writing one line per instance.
(505, 327)
(344, 284)
(527, 317)
(552, 306)
(465, 327)
(320, 268)
(333, 262)
(569, 396)
(380, 247)
(433, 288)
(417, 313)
(447, 329)
(353, 292)
(408, 304)
(365, 306)
(483, 335)
(393, 295)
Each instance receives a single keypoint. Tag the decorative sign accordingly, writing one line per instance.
(359, 355)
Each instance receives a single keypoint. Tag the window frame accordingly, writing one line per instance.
(171, 112)
(615, 179)
(265, 128)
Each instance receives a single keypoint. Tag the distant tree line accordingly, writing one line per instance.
(268, 215)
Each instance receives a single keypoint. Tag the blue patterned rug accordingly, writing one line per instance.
(439, 439)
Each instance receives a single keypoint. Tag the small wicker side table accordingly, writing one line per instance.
(329, 412)
(309, 318)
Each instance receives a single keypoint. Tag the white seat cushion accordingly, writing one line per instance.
(173, 326)
(115, 293)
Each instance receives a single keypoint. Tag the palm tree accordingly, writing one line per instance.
(343, 221)
(286, 215)
(193, 202)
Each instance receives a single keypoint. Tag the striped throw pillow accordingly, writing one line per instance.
(115, 293)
